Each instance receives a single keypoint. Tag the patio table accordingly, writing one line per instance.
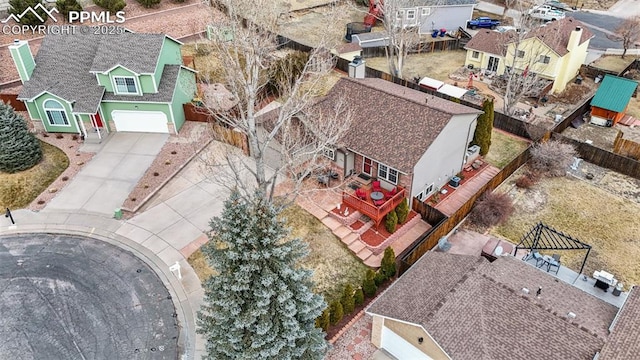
(377, 195)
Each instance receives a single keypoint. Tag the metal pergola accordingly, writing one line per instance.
(544, 237)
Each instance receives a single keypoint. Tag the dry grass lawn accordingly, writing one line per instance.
(437, 64)
(20, 189)
(634, 107)
(332, 263)
(607, 222)
(613, 63)
(504, 148)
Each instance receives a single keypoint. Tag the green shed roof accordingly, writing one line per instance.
(614, 93)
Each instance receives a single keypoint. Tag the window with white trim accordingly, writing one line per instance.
(55, 113)
(475, 54)
(544, 59)
(411, 14)
(329, 152)
(125, 85)
(399, 14)
(520, 53)
(423, 195)
(388, 173)
(426, 11)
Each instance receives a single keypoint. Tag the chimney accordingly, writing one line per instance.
(574, 38)
(22, 57)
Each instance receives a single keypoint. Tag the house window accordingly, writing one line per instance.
(387, 173)
(520, 54)
(423, 195)
(399, 14)
(366, 166)
(426, 11)
(411, 14)
(55, 113)
(475, 54)
(544, 59)
(329, 152)
(125, 85)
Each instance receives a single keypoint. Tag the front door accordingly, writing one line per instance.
(366, 166)
(493, 63)
(97, 121)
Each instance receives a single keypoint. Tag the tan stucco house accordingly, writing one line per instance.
(554, 51)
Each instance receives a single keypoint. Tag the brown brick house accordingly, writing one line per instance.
(464, 307)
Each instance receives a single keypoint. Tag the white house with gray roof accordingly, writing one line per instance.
(91, 84)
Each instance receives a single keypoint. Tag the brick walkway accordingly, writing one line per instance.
(355, 343)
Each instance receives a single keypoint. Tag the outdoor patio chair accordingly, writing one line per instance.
(554, 263)
(375, 186)
(391, 193)
(539, 259)
(378, 202)
(361, 194)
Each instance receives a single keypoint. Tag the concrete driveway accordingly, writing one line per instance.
(106, 181)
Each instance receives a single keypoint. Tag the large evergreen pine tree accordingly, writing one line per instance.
(482, 135)
(260, 305)
(19, 149)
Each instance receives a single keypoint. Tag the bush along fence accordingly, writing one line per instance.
(356, 297)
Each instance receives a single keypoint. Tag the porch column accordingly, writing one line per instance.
(82, 131)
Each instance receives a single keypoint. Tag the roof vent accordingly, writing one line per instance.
(16, 41)
(571, 315)
(525, 290)
(578, 28)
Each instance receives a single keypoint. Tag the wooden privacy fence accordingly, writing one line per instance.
(221, 132)
(430, 239)
(429, 214)
(12, 99)
(626, 147)
(603, 158)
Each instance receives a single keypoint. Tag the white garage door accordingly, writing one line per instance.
(399, 347)
(140, 121)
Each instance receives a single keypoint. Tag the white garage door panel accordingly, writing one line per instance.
(140, 121)
(399, 347)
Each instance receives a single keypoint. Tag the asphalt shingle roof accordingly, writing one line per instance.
(477, 310)
(623, 342)
(554, 34)
(411, 3)
(391, 123)
(64, 64)
(614, 93)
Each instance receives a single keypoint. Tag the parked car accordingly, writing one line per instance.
(546, 13)
(483, 22)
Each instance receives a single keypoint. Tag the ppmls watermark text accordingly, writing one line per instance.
(61, 29)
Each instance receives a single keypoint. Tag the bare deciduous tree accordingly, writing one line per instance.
(288, 140)
(402, 35)
(628, 32)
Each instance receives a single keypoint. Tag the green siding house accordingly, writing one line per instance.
(93, 84)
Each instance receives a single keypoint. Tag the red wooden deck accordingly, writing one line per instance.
(465, 191)
(366, 207)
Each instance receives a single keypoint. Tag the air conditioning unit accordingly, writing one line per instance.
(473, 152)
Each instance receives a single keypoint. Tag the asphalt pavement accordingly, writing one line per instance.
(602, 26)
(72, 297)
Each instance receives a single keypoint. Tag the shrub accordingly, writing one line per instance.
(358, 297)
(402, 211)
(482, 135)
(491, 209)
(323, 321)
(391, 222)
(348, 301)
(369, 285)
(525, 181)
(380, 278)
(284, 72)
(19, 149)
(17, 7)
(551, 158)
(64, 6)
(337, 312)
(111, 5)
(149, 3)
(388, 265)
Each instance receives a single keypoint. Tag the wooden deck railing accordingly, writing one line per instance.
(375, 213)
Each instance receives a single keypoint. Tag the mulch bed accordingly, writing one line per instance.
(342, 209)
(356, 225)
(373, 238)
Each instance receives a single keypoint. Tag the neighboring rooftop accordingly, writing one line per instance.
(623, 342)
(614, 93)
(386, 115)
(456, 297)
